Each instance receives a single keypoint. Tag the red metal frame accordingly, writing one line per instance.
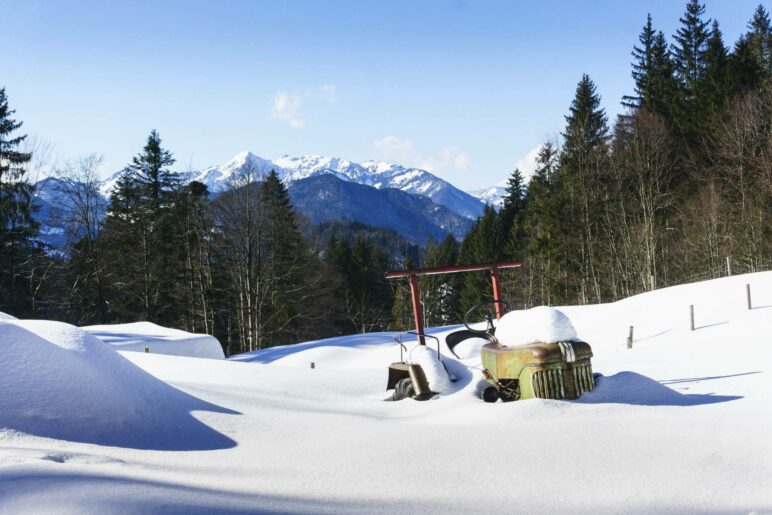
(415, 289)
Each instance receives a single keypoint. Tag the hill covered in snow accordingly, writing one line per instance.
(678, 423)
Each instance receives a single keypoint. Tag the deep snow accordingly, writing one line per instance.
(679, 423)
(160, 340)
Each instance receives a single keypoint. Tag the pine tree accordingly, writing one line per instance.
(541, 226)
(587, 123)
(642, 66)
(482, 244)
(714, 87)
(285, 259)
(746, 71)
(760, 39)
(141, 236)
(513, 205)
(656, 88)
(690, 47)
(151, 171)
(580, 187)
(17, 226)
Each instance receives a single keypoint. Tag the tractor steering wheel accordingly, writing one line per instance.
(489, 315)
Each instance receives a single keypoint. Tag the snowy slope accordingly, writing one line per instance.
(160, 340)
(493, 195)
(680, 423)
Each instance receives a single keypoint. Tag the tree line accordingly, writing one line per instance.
(677, 189)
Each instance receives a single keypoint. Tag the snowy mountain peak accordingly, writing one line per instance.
(376, 174)
(493, 195)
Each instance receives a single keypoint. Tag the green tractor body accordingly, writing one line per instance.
(539, 370)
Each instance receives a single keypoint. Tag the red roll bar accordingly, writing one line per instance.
(415, 291)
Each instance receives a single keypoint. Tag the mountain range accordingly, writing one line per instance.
(412, 202)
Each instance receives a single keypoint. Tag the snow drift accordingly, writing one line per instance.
(58, 381)
(5, 316)
(159, 340)
(541, 324)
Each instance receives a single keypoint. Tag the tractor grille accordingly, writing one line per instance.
(551, 383)
(583, 381)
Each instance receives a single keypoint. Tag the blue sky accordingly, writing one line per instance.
(465, 89)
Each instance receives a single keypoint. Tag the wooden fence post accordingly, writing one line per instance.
(691, 315)
(630, 339)
(748, 295)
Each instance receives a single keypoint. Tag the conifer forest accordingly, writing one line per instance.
(676, 189)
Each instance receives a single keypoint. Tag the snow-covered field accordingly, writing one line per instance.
(680, 423)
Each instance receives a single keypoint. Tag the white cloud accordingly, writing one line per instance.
(397, 150)
(394, 150)
(286, 106)
(527, 163)
(328, 91)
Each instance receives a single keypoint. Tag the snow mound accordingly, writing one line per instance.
(470, 348)
(638, 390)
(5, 316)
(57, 381)
(436, 375)
(539, 324)
(159, 340)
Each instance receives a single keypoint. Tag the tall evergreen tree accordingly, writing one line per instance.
(482, 244)
(511, 212)
(541, 227)
(760, 39)
(151, 172)
(17, 226)
(643, 65)
(285, 259)
(656, 88)
(141, 235)
(690, 47)
(715, 85)
(580, 184)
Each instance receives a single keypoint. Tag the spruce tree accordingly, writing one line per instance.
(284, 259)
(745, 69)
(151, 171)
(690, 47)
(586, 123)
(656, 88)
(141, 237)
(541, 227)
(580, 187)
(17, 226)
(511, 212)
(714, 87)
(642, 66)
(760, 39)
(482, 244)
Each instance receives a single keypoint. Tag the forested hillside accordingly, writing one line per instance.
(676, 189)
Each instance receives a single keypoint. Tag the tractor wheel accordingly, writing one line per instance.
(490, 394)
(404, 389)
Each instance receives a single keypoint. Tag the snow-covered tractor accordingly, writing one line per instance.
(557, 367)
(529, 354)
